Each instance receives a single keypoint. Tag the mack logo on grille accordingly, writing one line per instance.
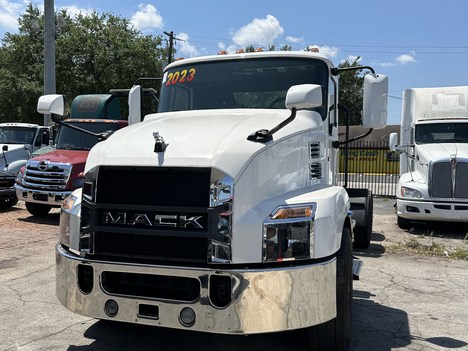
(185, 221)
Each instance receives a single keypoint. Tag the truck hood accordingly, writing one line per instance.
(428, 152)
(15, 152)
(204, 138)
(73, 157)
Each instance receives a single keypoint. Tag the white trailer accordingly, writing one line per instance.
(433, 184)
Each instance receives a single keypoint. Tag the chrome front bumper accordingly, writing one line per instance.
(53, 198)
(261, 300)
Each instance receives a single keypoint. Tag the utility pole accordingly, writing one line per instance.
(49, 52)
(171, 45)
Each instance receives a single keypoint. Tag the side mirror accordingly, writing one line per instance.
(393, 141)
(51, 104)
(134, 105)
(374, 113)
(304, 96)
(27, 147)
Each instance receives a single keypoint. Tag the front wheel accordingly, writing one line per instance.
(403, 223)
(38, 209)
(336, 334)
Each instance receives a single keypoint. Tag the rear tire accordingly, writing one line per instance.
(38, 209)
(336, 334)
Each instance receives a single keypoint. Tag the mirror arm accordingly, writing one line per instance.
(336, 71)
(264, 135)
(100, 136)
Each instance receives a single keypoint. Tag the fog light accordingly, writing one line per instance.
(187, 317)
(111, 308)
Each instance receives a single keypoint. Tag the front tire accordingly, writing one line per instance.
(363, 231)
(336, 334)
(403, 223)
(38, 209)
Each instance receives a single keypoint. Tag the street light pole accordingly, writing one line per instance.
(49, 52)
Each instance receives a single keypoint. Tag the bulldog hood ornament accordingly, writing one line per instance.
(159, 145)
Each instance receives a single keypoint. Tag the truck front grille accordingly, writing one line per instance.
(45, 175)
(156, 213)
(155, 247)
(449, 180)
(154, 186)
(7, 182)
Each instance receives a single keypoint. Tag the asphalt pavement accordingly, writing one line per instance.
(401, 302)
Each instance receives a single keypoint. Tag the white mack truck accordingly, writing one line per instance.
(221, 213)
(433, 184)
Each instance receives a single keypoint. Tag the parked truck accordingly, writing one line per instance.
(433, 184)
(221, 212)
(7, 190)
(47, 179)
(18, 142)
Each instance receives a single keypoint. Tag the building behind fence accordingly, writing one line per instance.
(371, 164)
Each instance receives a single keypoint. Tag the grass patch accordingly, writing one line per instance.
(434, 249)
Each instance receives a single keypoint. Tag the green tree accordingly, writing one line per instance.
(351, 86)
(94, 53)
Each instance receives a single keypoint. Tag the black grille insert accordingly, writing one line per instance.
(151, 286)
(154, 186)
(155, 247)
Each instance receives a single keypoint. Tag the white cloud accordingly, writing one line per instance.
(259, 32)
(184, 48)
(147, 17)
(74, 10)
(406, 58)
(294, 40)
(352, 58)
(329, 51)
(10, 11)
(387, 64)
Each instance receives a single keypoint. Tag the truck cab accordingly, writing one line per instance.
(434, 156)
(221, 213)
(47, 179)
(18, 141)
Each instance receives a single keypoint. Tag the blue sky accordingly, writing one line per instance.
(417, 43)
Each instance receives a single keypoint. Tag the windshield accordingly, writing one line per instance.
(71, 139)
(17, 135)
(244, 83)
(441, 133)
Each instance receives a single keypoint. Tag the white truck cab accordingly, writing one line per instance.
(433, 184)
(18, 141)
(221, 213)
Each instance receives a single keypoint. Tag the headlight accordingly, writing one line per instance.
(288, 233)
(68, 218)
(408, 192)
